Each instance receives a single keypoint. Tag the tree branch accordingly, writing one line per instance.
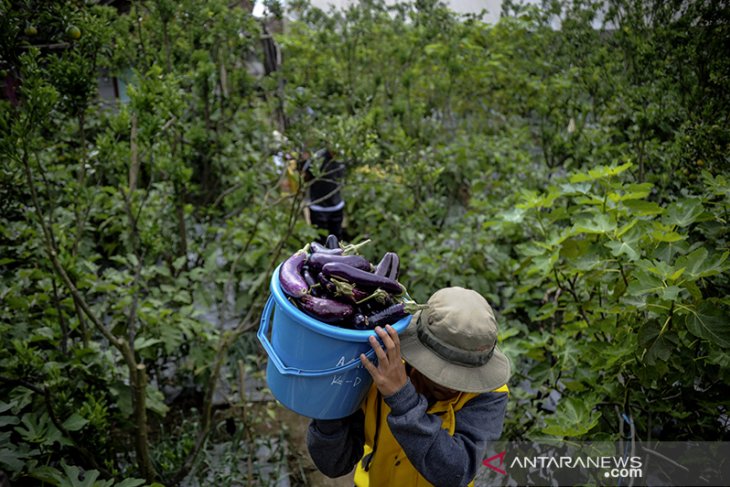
(134, 155)
(143, 457)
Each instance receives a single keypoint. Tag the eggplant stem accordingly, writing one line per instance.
(352, 248)
(378, 294)
(403, 291)
(411, 307)
(343, 288)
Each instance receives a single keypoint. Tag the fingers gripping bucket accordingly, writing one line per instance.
(314, 368)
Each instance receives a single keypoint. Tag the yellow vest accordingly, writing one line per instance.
(389, 465)
(292, 176)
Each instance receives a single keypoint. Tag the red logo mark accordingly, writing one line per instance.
(487, 462)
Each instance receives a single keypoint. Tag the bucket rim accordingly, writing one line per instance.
(321, 327)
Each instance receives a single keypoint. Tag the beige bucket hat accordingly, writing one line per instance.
(454, 342)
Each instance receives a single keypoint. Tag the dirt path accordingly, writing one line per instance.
(297, 426)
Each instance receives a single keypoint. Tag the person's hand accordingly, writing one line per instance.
(390, 374)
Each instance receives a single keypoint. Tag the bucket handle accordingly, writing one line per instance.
(262, 335)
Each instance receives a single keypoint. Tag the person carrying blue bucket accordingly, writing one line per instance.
(439, 395)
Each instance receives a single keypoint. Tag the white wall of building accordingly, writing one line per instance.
(493, 7)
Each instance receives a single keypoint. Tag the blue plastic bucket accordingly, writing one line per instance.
(314, 368)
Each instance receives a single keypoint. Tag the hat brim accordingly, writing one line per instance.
(485, 378)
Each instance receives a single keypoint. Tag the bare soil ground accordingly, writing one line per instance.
(297, 426)
(302, 470)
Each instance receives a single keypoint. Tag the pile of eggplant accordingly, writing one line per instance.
(335, 285)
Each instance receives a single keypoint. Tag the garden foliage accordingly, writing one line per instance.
(569, 162)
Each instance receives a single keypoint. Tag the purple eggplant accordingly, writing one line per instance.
(332, 242)
(360, 322)
(318, 260)
(361, 278)
(308, 278)
(326, 284)
(341, 289)
(324, 309)
(384, 265)
(380, 302)
(391, 314)
(358, 294)
(312, 284)
(319, 248)
(394, 271)
(388, 266)
(290, 275)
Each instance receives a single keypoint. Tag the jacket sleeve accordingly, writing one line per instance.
(336, 445)
(442, 459)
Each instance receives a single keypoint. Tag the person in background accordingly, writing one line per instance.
(286, 163)
(426, 421)
(324, 176)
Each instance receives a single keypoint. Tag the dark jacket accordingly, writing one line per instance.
(325, 176)
(442, 457)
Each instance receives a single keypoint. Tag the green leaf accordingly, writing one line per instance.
(599, 172)
(156, 401)
(182, 296)
(621, 231)
(644, 282)
(631, 192)
(573, 189)
(574, 417)
(142, 342)
(574, 248)
(75, 422)
(515, 215)
(34, 429)
(624, 248)
(677, 274)
(693, 263)
(661, 236)
(668, 251)
(643, 208)
(700, 263)
(600, 223)
(657, 347)
(8, 420)
(178, 263)
(683, 212)
(543, 265)
(709, 320)
(670, 293)
(531, 249)
(568, 353)
(123, 394)
(46, 474)
(73, 478)
(660, 268)
(12, 459)
(131, 482)
(693, 290)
